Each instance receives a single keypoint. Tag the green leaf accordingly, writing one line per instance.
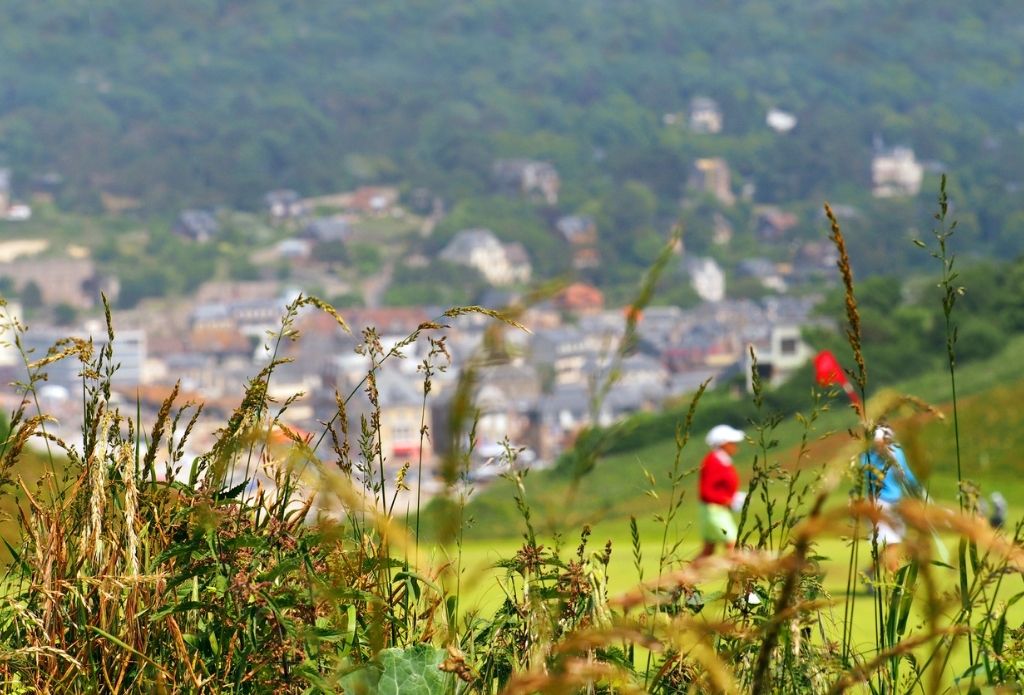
(181, 607)
(350, 624)
(908, 586)
(17, 557)
(999, 635)
(232, 493)
(412, 671)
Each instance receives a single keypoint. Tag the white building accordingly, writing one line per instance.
(18, 212)
(9, 316)
(705, 116)
(500, 264)
(780, 121)
(529, 177)
(785, 353)
(707, 278)
(896, 173)
(129, 351)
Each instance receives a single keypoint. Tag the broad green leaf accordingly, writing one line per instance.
(412, 671)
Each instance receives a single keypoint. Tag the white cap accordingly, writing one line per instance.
(723, 434)
(884, 434)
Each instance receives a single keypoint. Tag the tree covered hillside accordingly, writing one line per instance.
(225, 99)
(205, 102)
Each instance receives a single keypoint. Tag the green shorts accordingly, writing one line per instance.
(717, 524)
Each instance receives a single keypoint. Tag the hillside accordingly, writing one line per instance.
(991, 437)
(170, 105)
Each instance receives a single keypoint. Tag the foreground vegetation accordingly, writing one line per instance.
(270, 567)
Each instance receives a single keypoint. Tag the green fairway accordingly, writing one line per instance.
(484, 585)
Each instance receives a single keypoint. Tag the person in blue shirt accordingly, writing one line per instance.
(887, 480)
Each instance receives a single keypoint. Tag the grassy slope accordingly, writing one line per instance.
(991, 434)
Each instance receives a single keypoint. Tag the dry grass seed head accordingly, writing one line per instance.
(126, 460)
(853, 333)
(92, 540)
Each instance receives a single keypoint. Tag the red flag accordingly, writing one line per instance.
(827, 372)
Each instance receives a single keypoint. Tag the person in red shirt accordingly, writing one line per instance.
(719, 490)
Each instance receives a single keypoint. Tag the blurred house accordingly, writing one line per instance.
(706, 277)
(815, 258)
(219, 341)
(373, 200)
(721, 229)
(10, 209)
(129, 351)
(327, 229)
(896, 172)
(568, 353)
(780, 121)
(500, 264)
(705, 116)
(763, 270)
(580, 232)
(284, 204)
(296, 384)
(528, 177)
(18, 212)
(294, 249)
(387, 321)
(772, 223)
(196, 225)
(711, 176)
(580, 298)
(401, 411)
(778, 357)
(518, 261)
(232, 290)
(250, 317)
(10, 316)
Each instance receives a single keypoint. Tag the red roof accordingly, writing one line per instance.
(580, 296)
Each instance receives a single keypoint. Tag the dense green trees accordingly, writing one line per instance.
(239, 98)
(202, 103)
(903, 331)
(419, 286)
(166, 265)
